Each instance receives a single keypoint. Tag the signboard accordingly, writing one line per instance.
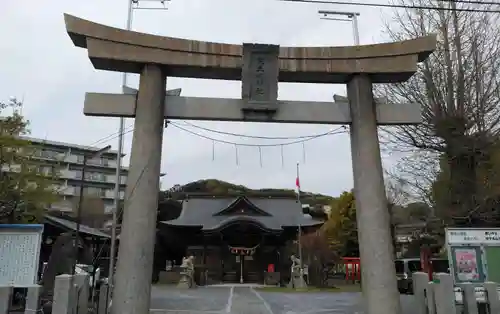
(473, 236)
(259, 77)
(19, 254)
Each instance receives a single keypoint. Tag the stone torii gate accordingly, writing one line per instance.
(259, 67)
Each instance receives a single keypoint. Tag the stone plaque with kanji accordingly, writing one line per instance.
(259, 79)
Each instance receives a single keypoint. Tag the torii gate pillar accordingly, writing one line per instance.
(260, 67)
(374, 235)
(141, 196)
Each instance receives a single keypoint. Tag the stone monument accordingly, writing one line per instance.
(60, 262)
(259, 67)
(187, 273)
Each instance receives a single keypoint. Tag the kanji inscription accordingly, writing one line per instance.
(260, 76)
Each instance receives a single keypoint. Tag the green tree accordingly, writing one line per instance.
(341, 229)
(26, 184)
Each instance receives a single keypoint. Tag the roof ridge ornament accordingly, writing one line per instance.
(232, 208)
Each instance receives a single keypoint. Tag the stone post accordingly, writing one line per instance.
(102, 307)
(469, 298)
(33, 299)
(375, 243)
(82, 281)
(444, 294)
(5, 299)
(132, 288)
(431, 300)
(420, 284)
(64, 301)
(492, 295)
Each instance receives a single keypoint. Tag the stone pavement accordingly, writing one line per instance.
(247, 300)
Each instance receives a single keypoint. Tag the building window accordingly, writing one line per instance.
(78, 174)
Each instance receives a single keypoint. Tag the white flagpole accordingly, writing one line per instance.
(299, 237)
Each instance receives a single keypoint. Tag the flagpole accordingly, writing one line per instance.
(299, 237)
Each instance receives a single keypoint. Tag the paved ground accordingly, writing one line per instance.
(246, 300)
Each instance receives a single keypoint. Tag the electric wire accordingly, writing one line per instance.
(112, 136)
(394, 6)
(470, 2)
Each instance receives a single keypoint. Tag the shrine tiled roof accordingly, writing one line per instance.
(70, 225)
(267, 213)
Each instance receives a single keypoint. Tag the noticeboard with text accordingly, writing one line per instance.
(473, 236)
(474, 254)
(19, 254)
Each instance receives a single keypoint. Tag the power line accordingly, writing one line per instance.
(112, 136)
(470, 2)
(331, 132)
(254, 136)
(393, 6)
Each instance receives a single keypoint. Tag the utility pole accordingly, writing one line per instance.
(86, 157)
(118, 180)
(350, 17)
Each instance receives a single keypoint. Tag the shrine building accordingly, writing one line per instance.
(238, 239)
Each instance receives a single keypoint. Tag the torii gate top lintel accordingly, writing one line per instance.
(115, 49)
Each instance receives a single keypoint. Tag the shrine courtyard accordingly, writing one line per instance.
(238, 299)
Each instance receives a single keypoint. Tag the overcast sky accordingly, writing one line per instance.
(40, 65)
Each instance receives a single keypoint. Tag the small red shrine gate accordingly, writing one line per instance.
(352, 268)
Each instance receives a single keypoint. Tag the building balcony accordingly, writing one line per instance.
(90, 191)
(91, 177)
(98, 162)
(63, 206)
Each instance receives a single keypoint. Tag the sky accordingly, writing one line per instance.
(40, 65)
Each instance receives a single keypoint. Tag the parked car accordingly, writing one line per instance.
(407, 266)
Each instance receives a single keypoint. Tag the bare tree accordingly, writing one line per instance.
(458, 89)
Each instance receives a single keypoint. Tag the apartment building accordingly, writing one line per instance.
(100, 173)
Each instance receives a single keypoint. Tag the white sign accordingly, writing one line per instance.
(473, 236)
(19, 254)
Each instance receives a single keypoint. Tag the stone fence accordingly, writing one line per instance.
(442, 297)
(70, 296)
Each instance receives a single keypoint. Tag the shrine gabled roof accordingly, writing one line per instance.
(269, 213)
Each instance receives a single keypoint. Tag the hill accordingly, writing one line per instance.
(214, 187)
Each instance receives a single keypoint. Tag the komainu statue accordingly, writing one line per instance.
(187, 273)
(297, 274)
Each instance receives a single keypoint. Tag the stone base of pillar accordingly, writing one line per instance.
(186, 281)
(297, 281)
(5, 299)
(33, 299)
